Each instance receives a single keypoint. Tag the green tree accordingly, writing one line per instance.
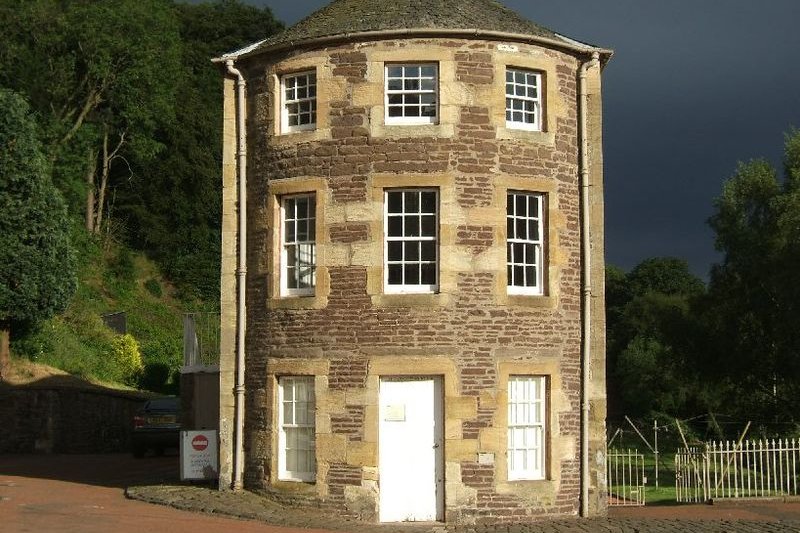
(37, 266)
(172, 206)
(753, 312)
(102, 76)
(651, 332)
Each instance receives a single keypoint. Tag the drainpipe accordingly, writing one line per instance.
(241, 278)
(586, 276)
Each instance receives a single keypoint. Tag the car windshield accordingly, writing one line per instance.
(162, 404)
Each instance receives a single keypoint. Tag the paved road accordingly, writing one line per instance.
(85, 494)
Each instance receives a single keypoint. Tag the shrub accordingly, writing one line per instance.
(153, 287)
(125, 351)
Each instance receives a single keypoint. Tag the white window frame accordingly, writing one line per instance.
(410, 288)
(529, 246)
(526, 446)
(388, 93)
(288, 384)
(310, 78)
(532, 82)
(294, 242)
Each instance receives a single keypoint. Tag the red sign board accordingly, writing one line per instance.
(200, 443)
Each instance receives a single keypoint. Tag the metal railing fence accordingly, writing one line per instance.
(751, 469)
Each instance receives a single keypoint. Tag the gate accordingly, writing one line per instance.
(626, 478)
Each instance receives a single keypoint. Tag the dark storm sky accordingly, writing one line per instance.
(694, 86)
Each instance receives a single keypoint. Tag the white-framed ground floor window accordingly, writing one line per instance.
(527, 427)
(296, 440)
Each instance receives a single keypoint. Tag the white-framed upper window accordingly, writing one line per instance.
(412, 93)
(298, 244)
(297, 442)
(527, 427)
(412, 235)
(523, 99)
(299, 107)
(524, 242)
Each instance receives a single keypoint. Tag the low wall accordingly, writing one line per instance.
(52, 418)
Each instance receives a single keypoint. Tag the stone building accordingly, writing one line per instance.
(412, 266)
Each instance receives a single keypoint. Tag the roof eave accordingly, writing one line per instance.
(562, 42)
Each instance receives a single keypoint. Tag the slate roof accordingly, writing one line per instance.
(345, 17)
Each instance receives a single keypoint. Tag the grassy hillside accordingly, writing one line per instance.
(112, 279)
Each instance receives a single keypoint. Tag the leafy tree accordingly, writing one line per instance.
(173, 203)
(100, 74)
(753, 313)
(650, 332)
(37, 266)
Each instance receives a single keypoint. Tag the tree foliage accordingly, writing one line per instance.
(95, 72)
(37, 266)
(176, 216)
(753, 313)
(650, 326)
(130, 107)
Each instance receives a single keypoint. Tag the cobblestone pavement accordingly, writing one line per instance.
(777, 518)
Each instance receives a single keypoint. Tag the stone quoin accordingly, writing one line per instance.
(416, 243)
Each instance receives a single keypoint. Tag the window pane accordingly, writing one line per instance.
(395, 274)
(412, 202)
(395, 201)
(395, 72)
(428, 202)
(522, 229)
(412, 251)
(510, 233)
(395, 85)
(412, 274)
(530, 254)
(395, 226)
(428, 250)
(411, 85)
(411, 99)
(530, 276)
(395, 251)
(412, 71)
(302, 230)
(429, 225)
(395, 99)
(429, 274)
(533, 230)
(412, 226)
(521, 200)
(395, 111)
(428, 71)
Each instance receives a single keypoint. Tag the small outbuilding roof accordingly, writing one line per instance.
(349, 18)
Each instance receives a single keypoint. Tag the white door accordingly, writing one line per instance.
(410, 449)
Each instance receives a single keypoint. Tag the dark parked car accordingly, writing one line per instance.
(157, 426)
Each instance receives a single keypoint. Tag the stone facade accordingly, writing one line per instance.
(471, 333)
